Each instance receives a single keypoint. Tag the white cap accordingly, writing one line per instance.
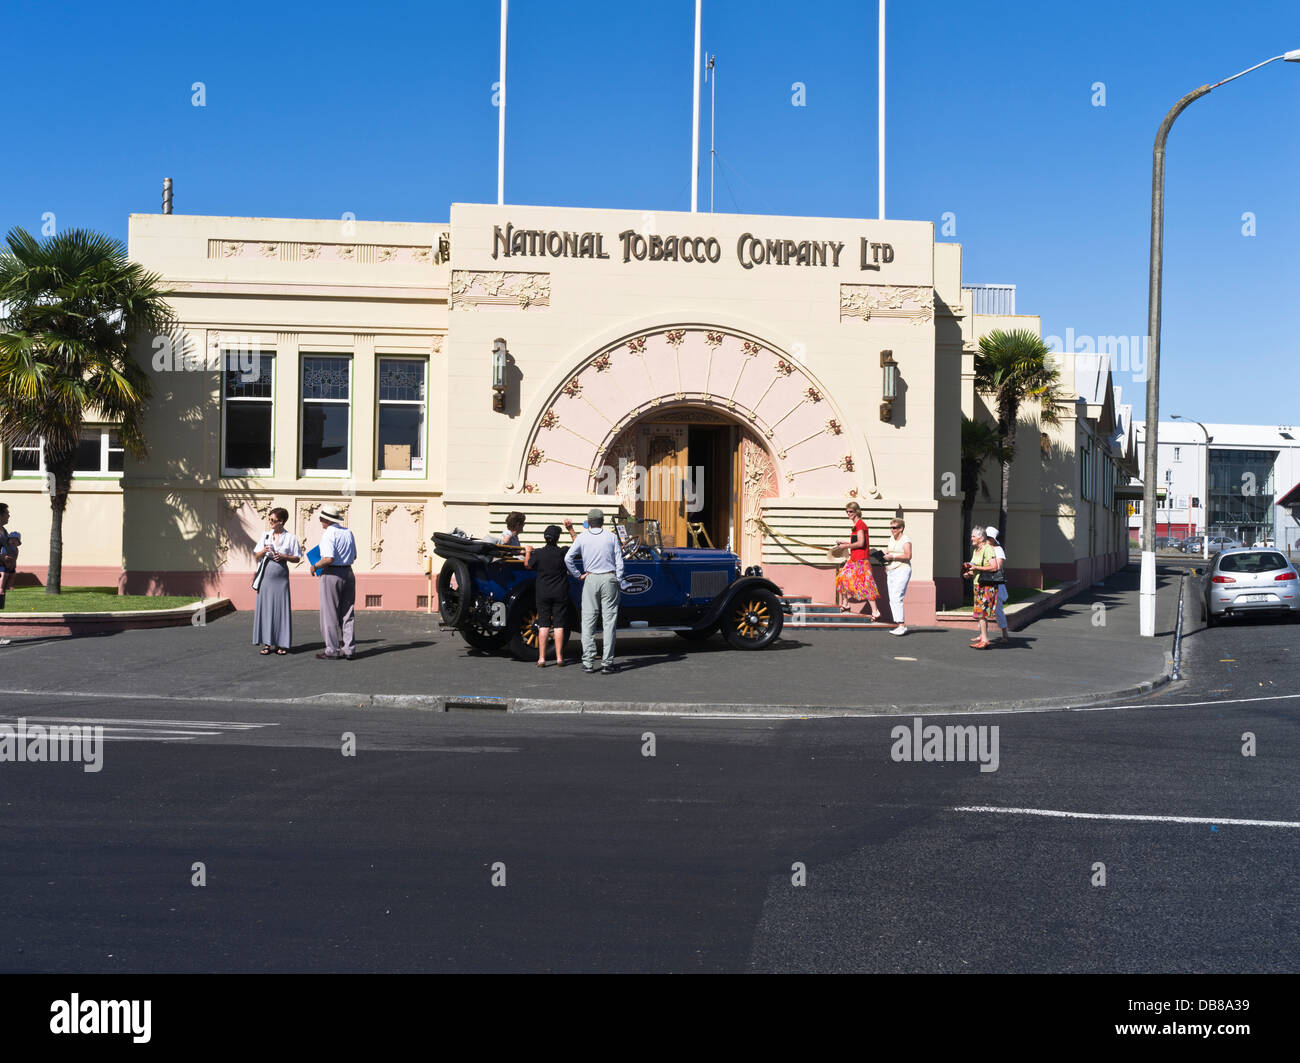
(990, 532)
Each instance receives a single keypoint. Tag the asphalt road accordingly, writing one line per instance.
(617, 861)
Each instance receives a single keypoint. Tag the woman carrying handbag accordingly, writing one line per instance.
(273, 615)
(854, 581)
(986, 570)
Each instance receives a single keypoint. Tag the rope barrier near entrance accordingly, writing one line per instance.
(767, 529)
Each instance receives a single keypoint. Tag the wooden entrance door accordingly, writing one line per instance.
(667, 464)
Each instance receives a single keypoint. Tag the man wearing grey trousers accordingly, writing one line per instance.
(338, 586)
(602, 571)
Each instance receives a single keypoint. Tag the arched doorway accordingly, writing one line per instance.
(702, 474)
(749, 407)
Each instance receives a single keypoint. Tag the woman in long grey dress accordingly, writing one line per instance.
(273, 615)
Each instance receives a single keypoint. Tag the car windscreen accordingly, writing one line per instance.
(1261, 561)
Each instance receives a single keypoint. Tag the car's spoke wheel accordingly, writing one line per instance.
(753, 620)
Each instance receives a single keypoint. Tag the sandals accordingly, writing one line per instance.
(265, 651)
(980, 645)
(541, 664)
(280, 651)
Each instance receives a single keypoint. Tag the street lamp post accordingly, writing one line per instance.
(1147, 594)
(1205, 498)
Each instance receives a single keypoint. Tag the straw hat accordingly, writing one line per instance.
(331, 513)
(837, 553)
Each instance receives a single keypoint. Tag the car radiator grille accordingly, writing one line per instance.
(708, 584)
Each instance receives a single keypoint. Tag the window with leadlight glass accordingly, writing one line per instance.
(401, 415)
(326, 413)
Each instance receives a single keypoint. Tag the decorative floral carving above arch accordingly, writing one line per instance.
(738, 376)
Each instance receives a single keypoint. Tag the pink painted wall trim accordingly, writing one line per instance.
(72, 575)
(399, 591)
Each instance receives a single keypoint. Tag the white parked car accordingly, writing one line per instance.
(1251, 580)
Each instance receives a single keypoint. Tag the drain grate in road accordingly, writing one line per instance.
(475, 704)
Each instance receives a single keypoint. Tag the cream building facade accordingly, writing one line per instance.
(721, 373)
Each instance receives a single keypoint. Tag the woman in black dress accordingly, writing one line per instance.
(552, 593)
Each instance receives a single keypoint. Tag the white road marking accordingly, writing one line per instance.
(1129, 819)
(113, 721)
(119, 730)
(904, 658)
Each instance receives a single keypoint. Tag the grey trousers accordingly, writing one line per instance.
(599, 595)
(338, 599)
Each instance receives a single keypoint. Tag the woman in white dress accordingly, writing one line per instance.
(898, 571)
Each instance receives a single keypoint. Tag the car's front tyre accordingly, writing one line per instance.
(752, 620)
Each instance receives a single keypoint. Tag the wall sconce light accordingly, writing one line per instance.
(499, 356)
(890, 385)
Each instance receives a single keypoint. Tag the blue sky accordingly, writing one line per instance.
(385, 110)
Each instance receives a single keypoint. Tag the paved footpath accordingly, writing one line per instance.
(1067, 657)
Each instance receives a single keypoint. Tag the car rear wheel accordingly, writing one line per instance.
(455, 589)
(752, 620)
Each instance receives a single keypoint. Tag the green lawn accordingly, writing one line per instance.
(86, 600)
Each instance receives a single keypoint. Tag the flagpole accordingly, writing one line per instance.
(713, 119)
(501, 116)
(695, 117)
(880, 125)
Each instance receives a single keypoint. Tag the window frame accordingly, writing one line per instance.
(270, 356)
(102, 473)
(325, 474)
(423, 405)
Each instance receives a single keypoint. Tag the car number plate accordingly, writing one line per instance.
(1256, 597)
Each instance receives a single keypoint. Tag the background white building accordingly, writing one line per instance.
(1250, 468)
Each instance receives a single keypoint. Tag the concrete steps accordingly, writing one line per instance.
(805, 613)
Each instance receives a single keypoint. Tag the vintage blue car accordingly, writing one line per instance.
(486, 593)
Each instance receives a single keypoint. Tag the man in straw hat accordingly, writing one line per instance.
(338, 586)
(602, 571)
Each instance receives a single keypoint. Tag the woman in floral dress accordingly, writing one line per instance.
(854, 581)
(983, 560)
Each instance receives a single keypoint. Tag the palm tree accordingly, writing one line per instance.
(979, 442)
(70, 307)
(1013, 369)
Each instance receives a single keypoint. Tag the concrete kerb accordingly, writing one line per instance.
(574, 707)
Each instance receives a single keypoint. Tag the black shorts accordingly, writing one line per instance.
(552, 612)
